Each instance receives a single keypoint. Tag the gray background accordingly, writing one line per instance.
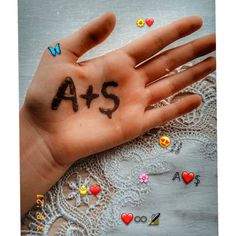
(185, 210)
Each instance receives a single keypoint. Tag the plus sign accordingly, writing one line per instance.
(89, 96)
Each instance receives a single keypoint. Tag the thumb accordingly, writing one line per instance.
(90, 35)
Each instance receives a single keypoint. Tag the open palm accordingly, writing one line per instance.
(112, 92)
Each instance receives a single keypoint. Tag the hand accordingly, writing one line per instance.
(74, 109)
(71, 134)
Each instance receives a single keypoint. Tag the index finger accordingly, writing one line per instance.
(151, 43)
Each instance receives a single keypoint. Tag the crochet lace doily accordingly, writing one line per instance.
(68, 213)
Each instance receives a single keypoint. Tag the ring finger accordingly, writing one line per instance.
(172, 84)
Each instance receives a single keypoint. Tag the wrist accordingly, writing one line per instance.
(39, 170)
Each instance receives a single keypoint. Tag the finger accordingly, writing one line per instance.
(90, 35)
(159, 116)
(173, 58)
(170, 85)
(151, 43)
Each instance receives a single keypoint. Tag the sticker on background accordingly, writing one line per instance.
(187, 177)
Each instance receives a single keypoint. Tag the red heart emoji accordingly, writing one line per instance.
(95, 189)
(149, 22)
(187, 177)
(127, 217)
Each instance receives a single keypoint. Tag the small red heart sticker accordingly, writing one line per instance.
(127, 217)
(95, 189)
(187, 177)
(149, 22)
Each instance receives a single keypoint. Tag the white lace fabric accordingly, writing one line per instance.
(117, 172)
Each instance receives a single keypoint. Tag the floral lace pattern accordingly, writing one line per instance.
(69, 213)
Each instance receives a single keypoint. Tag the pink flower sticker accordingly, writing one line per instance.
(143, 178)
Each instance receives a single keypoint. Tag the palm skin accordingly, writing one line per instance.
(70, 135)
(78, 134)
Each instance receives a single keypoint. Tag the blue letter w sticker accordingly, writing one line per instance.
(56, 50)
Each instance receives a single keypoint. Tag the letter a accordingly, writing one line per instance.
(61, 94)
(176, 176)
